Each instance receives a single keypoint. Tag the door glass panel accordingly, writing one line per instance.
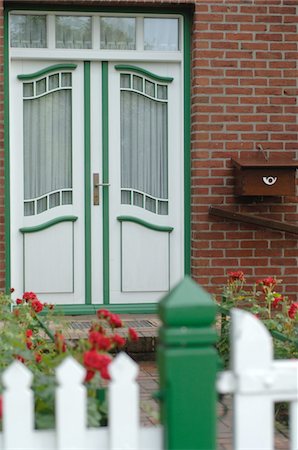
(73, 32)
(47, 148)
(118, 33)
(161, 34)
(28, 31)
(144, 149)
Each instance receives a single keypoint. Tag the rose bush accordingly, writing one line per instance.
(266, 300)
(38, 341)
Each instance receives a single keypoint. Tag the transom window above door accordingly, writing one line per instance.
(103, 32)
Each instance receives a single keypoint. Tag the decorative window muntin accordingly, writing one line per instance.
(47, 118)
(144, 143)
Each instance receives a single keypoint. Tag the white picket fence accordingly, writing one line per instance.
(71, 432)
(255, 380)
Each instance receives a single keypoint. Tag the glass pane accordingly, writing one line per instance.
(125, 197)
(125, 81)
(66, 198)
(138, 83)
(118, 33)
(28, 31)
(54, 200)
(66, 79)
(138, 199)
(29, 209)
(161, 34)
(163, 208)
(162, 92)
(53, 81)
(41, 86)
(73, 32)
(28, 90)
(150, 204)
(42, 205)
(150, 88)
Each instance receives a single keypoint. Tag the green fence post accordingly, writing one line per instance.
(187, 363)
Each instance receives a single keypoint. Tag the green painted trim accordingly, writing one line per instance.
(80, 310)
(105, 179)
(144, 223)
(6, 156)
(18, 6)
(87, 178)
(141, 71)
(187, 143)
(56, 67)
(50, 223)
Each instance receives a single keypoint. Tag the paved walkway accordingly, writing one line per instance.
(147, 328)
(148, 381)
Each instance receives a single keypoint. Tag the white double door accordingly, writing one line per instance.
(96, 180)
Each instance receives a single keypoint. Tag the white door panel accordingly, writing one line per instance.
(53, 251)
(146, 260)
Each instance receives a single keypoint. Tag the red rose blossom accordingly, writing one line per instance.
(293, 310)
(28, 296)
(133, 334)
(269, 282)
(118, 340)
(29, 333)
(19, 301)
(237, 275)
(103, 314)
(97, 361)
(115, 321)
(38, 357)
(36, 305)
(276, 301)
(60, 342)
(12, 290)
(99, 341)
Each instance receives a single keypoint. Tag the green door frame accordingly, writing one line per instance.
(88, 307)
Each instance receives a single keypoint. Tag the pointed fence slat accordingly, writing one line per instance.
(124, 404)
(257, 381)
(71, 415)
(18, 406)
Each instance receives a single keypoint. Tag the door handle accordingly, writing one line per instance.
(96, 186)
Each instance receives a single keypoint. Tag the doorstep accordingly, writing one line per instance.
(76, 327)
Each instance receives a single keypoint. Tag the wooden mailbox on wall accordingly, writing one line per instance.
(265, 178)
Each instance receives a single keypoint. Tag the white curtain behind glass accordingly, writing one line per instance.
(144, 154)
(47, 144)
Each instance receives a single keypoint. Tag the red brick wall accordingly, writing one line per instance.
(244, 94)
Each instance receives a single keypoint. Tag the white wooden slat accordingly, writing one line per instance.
(252, 358)
(71, 410)
(294, 422)
(18, 407)
(124, 404)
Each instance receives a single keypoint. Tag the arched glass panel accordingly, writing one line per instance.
(47, 144)
(144, 144)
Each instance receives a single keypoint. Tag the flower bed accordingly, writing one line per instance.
(266, 300)
(39, 343)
